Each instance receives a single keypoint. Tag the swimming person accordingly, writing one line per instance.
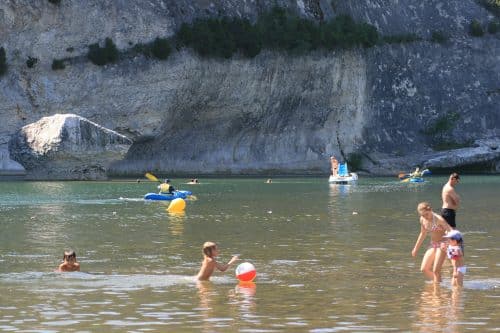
(451, 200)
(434, 256)
(210, 252)
(69, 262)
(455, 252)
(165, 187)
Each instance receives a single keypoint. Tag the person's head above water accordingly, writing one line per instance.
(209, 249)
(166, 181)
(69, 255)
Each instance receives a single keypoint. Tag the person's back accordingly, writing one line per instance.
(165, 187)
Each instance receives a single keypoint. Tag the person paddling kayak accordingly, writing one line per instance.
(165, 187)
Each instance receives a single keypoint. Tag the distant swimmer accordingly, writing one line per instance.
(269, 181)
(451, 200)
(69, 262)
(209, 264)
(193, 181)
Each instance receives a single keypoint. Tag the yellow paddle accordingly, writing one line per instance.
(152, 177)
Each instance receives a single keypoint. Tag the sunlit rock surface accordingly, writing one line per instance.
(67, 146)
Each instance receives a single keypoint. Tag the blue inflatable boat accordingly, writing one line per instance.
(166, 196)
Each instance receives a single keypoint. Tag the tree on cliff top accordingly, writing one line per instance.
(3, 62)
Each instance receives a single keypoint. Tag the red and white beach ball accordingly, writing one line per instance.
(245, 272)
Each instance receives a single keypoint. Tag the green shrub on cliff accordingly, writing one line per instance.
(494, 26)
(401, 38)
(58, 64)
(439, 132)
(101, 56)
(492, 5)
(3, 62)
(274, 30)
(475, 28)
(438, 37)
(31, 62)
(161, 48)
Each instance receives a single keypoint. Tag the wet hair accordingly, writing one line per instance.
(208, 248)
(455, 176)
(424, 206)
(69, 254)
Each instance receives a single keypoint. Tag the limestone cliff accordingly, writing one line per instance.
(274, 113)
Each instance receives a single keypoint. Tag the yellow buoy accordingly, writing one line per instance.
(177, 205)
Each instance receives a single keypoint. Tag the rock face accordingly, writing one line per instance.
(275, 113)
(10, 168)
(67, 146)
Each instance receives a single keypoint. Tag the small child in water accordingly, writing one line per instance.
(69, 262)
(455, 252)
(210, 252)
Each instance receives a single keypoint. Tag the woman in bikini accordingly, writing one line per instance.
(436, 226)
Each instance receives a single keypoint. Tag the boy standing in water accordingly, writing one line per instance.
(455, 252)
(451, 200)
(69, 262)
(210, 252)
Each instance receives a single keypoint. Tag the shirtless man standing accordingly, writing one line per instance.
(451, 200)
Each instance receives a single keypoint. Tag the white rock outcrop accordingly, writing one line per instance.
(67, 146)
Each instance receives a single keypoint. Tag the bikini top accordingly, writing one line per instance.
(434, 225)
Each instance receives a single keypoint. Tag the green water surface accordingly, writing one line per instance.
(329, 258)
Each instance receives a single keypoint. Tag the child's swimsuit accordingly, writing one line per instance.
(454, 253)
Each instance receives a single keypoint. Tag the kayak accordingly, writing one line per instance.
(413, 180)
(166, 196)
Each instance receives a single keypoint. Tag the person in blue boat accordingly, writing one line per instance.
(69, 262)
(416, 173)
(166, 188)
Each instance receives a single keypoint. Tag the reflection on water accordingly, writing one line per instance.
(438, 310)
(331, 258)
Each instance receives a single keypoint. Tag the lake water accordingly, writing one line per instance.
(329, 258)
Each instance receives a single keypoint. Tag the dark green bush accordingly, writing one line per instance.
(58, 64)
(494, 26)
(355, 161)
(274, 30)
(443, 124)
(161, 48)
(3, 61)
(439, 37)
(492, 5)
(31, 62)
(475, 29)
(401, 38)
(101, 56)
